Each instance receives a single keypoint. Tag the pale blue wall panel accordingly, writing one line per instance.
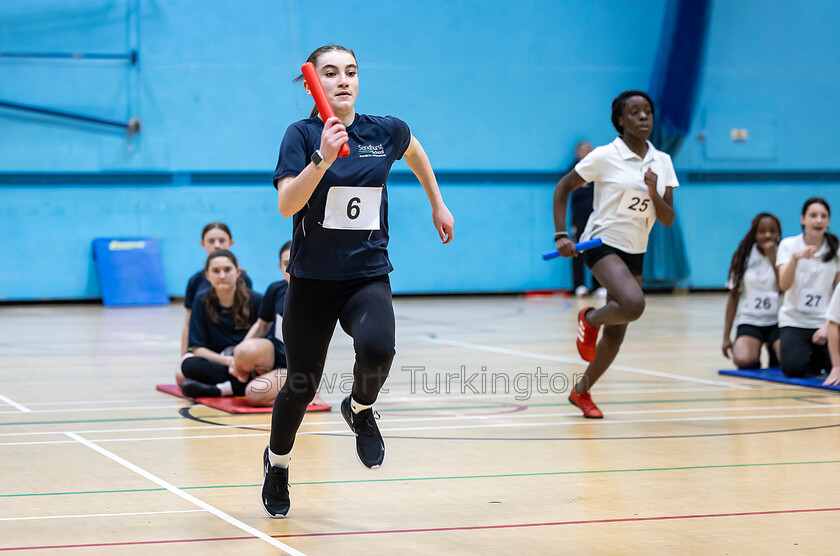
(490, 89)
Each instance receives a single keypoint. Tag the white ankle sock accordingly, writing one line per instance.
(356, 407)
(225, 388)
(279, 461)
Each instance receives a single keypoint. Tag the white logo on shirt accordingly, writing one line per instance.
(367, 151)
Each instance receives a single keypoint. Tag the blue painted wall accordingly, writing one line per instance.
(497, 93)
(771, 68)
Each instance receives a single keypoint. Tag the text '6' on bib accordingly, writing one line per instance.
(353, 208)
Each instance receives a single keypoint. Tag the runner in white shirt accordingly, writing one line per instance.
(633, 187)
(809, 269)
(832, 316)
(753, 304)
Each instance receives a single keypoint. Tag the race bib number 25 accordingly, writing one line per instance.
(636, 203)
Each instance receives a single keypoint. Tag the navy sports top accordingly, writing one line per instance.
(271, 310)
(216, 337)
(198, 283)
(323, 253)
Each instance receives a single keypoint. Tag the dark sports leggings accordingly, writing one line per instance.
(364, 309)
(800, 357)
(208, 372)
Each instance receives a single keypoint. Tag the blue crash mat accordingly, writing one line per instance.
(774, 374)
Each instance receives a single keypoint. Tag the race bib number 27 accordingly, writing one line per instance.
(811, 301)
(353, 208)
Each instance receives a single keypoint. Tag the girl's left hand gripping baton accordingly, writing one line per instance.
(582, 246)
(321, 101)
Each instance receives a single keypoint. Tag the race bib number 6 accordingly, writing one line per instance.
(636, 203)
(353, 208)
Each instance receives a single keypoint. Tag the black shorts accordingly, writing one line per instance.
(764, 334)
(634, 261)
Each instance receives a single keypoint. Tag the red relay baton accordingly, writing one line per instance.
(321, 101)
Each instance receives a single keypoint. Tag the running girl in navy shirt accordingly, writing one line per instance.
(339, 262)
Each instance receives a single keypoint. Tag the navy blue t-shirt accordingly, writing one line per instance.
(216, 337)
(322, 253)
(198, 283)
(271, 310)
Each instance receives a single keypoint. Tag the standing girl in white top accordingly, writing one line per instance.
(753, 304)
(809, 269)
(633, 187)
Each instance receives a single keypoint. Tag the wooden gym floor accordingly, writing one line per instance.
(95, 461)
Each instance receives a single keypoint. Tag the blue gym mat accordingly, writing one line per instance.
(774, 374)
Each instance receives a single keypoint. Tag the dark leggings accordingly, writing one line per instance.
(208, 372)
(364, 309)
(801, 357)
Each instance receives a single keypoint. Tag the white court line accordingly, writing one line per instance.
(508, 398)
(94, 402)
(384, 398)
(144, 429)
(594, 422)
(14, 404)
(576, 421)
(423, 397)
(561, 359)
(386, 430)
(85, 409)
(96, 515)
(188, 497)
(306, 424)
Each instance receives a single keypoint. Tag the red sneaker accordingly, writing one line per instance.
(587, 338)
(584, 402)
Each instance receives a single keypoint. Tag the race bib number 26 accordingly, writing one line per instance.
(353, 208)
(760, 303)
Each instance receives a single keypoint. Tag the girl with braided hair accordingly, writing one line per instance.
(753, 303)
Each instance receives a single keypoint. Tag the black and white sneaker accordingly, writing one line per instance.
(370, 448)
(195, 389)
(275, 490)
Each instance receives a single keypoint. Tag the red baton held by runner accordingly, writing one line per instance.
(321, 101)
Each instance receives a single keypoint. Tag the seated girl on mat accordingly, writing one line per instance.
(809, 270)
(215, 235)
(221, 317)
(832, 316)
(262, 351)
(753, 303)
